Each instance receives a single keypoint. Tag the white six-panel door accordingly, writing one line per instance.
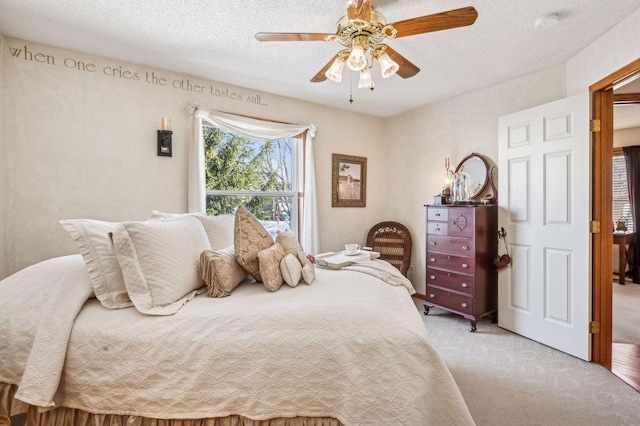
(544, 200)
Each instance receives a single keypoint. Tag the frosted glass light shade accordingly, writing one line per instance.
(357, 61)
(334, 73)
(365, 79)
(388, 65)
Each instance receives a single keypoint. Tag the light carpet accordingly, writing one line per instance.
(507, 379)
(626, 313)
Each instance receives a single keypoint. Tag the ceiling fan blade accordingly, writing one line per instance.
(436, 22)
(292, 36)
(359, 9)
(407, 69)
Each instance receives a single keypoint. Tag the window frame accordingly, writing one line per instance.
(631, 227)
(297, 186)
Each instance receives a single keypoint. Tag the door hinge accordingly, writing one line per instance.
(594, 327)
(594, 125)
(594, 226)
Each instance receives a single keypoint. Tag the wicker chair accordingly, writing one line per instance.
(393, 241)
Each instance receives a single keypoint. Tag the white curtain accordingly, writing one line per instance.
(255, 129)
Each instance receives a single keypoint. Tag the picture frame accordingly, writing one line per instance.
(349, 181)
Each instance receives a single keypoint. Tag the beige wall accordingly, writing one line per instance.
(80, 143)
(613, 50)
(454, 128)
(3, 187)
(626, 137)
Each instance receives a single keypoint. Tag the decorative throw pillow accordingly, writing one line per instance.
(250, 237)
(160, 261)
(291, 270)
(308, 270)
(269, 260)
(220, 271)
(289, 242)
(92, 238)
(219, 228)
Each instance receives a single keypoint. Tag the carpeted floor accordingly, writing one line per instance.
(626, 313)
(509, 380)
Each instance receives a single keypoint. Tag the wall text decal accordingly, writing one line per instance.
(121, 72)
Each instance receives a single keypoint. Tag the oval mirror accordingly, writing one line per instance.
(477, 168)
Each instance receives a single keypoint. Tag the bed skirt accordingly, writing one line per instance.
(62, 416)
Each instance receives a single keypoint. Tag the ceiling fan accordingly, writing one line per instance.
(362, 30)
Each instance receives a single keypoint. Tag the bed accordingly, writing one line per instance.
(348, 349)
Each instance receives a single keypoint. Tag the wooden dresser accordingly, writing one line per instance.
(462, 241)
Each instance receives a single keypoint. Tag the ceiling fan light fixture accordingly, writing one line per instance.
(365, 79)
(389, 66)
(334, 73)
(357, 61)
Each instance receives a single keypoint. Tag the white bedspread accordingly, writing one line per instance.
(348, 346)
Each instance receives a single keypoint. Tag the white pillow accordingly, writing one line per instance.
(308, 270)
(219, 228)
(92, 238)
(291, 270)
(160, 261)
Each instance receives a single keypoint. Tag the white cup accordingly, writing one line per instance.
(352, 248)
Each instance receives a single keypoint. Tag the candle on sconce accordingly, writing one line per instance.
(165, 123)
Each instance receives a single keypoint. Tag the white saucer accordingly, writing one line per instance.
(355, 253)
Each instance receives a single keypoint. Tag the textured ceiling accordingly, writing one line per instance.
(215, 40)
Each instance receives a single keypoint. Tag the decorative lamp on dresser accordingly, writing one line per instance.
(462, 242)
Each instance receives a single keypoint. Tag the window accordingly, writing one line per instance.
(621, 204)
(261, 175)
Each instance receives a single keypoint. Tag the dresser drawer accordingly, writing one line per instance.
(436, 213)
(463, 265)
(450, 300)
(454, 245)
(461, 223)
(438, 228)
(451, 280)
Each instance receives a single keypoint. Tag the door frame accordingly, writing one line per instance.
(602, 193)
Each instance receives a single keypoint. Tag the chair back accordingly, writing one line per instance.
(393, 241)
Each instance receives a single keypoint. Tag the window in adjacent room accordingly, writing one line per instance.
(621, 204)
(261, 175)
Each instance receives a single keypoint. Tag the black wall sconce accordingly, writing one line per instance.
(164, 138)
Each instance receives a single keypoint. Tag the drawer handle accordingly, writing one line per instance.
(433, 296)
(437, 214)
(437, 227)
(433, 259)
(433, 277)
(465, 247)
(465, 285)
(433, 243)
(448, 257)
(464, 305)
(464, 265)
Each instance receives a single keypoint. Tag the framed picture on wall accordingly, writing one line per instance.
(349, 181)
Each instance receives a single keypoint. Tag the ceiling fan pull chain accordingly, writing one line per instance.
(350, 89)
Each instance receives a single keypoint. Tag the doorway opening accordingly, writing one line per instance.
(602, 211)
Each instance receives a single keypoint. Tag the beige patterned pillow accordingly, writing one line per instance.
(220, 271)
(269, 260)
(249, 238)
(160, 262)
(291, 270)
(289, 242)
(308, 270)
